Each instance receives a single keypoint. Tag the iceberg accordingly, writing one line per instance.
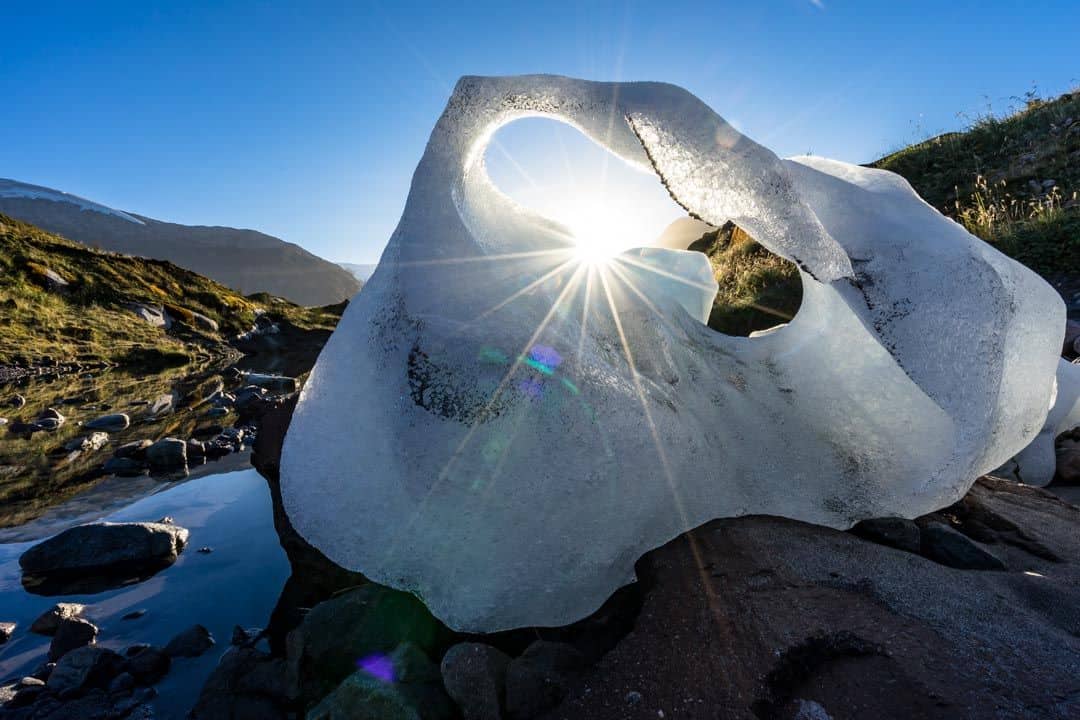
(502, 425)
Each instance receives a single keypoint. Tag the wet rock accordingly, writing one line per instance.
(365, 621)
(196, 450)
(474, 675)
(407, 689)
(247, 684)
(7, 629)
(207, 431)
(190, 643)
(147, 664)
(248, 395)
(896, 532)
(84, 668)
(272, 383)
(942, 544)
(71, 633)
(135, 449)
(109, 423)
(167, 453)
(43, 671)
(125, 466)
(538, 680)
(103, 546)
(26, 694)
(48, 622)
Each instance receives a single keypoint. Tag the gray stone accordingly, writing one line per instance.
(167, 453)
(538, 680)
(247, 684)
(162, 404)
(204, 323)
(109, 423)
(942, 544)
(71, 633)
(88, 443)
(124, 466)
(135, 449)
(7, 629)
(369, 620)
(147, 664)
(190, 643)
(49, 621)
(102, 546)
(48, 424)
(413, 693)
(153, 314)
(474, 675)
(196, 449)
(51, 414)
(84, 668)
(896, 532)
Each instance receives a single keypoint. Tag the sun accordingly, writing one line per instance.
(597, 237)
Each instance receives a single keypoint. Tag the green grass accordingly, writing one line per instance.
(89, 319)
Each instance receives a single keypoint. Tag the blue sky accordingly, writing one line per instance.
(306, 120)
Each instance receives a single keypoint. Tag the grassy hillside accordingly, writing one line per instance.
(90, 318)
(1013, 181)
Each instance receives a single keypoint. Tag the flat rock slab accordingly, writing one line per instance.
(104, 546)
(764, 617)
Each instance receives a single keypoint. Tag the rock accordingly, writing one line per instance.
(1068, 462)
(273, 383)
(134, 614)
(109, 423)
(942, 544)
(31, 681)
(167, 453)
(1072, 336)
(21, 428)
(538, 680)
(88, 443)
(147, 664)
(104, 546)
(48, 622)
(84, 668)
(474, 675)
(162, 404)
(204, 323)
(25, 695)
(48, 424)
(15, 401)
(896, 532)
(7, 629)
(410, 691)
(135, 449)
(124, 466)
(246, 685)
(190, 643)
(365, 621)
(71, 633)
(217, 412)
(810, 710)
(122, 684)
(43, 671)
(153, 314)
(248, 395)
(196, 450)
(51, 414)
(245, 636)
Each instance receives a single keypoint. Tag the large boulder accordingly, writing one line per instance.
(109, 423)
(474, 675)
(167, 453)
(406, 686)
(367, 621)
(246, 685)
(105, 546)
(147, 664)
(191, 642)
(71, 633)
(85, 668)
(48, 622)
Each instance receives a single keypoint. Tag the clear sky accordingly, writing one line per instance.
(306, 119)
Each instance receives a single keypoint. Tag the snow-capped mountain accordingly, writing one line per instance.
(246, 260)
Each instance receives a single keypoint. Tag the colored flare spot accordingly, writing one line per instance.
(379, 667)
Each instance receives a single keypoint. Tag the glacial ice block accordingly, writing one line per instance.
(504, 428)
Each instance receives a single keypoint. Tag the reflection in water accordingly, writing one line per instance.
(237, 584)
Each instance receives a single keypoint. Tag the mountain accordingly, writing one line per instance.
(360, 272)
(245, 260)
(62, 302)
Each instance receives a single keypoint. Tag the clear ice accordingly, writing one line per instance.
(503, 428)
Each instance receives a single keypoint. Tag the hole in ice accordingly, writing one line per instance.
(610, 206)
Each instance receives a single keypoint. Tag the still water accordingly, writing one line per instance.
(236, 584)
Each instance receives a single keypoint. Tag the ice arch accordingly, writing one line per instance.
(503, 431)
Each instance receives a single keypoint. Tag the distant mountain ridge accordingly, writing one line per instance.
(360, 272)
(245, 260)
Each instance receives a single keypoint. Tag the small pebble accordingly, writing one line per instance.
(134, 614)
(633, 697)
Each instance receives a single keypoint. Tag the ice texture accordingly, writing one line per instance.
(1037, 463)
(504, 430)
